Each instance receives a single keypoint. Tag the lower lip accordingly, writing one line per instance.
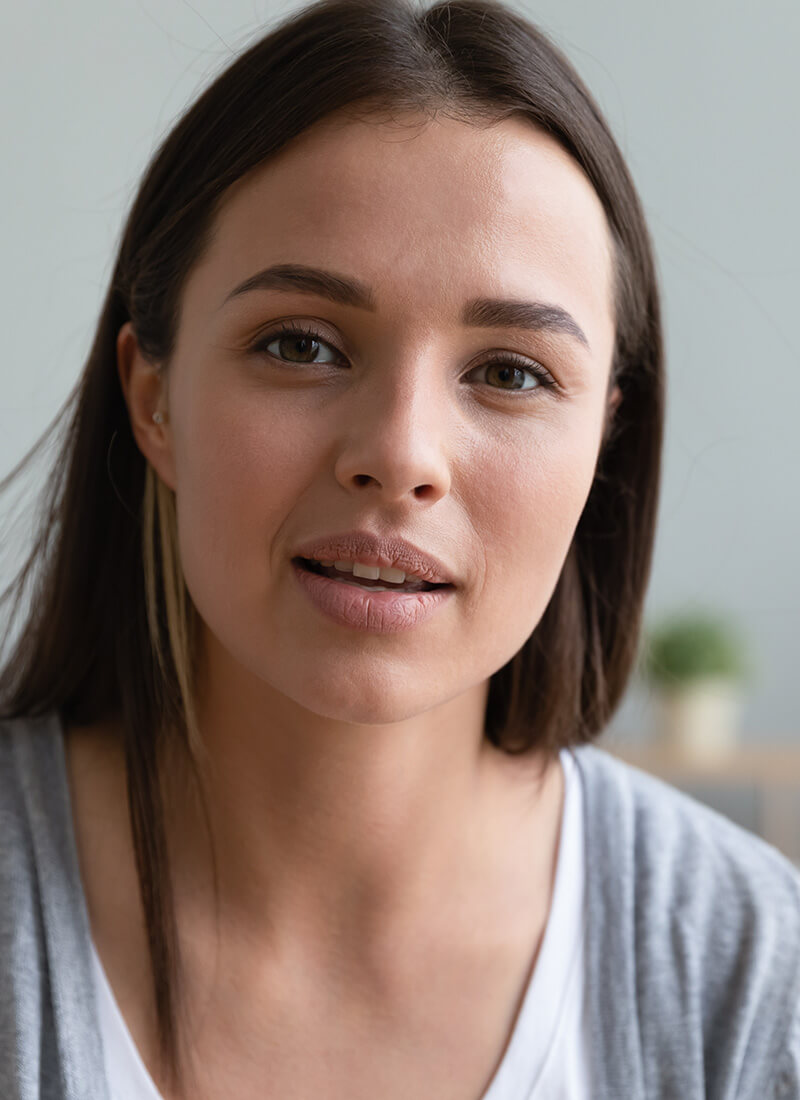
(378, 612)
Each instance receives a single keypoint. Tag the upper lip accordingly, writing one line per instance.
(392, 552)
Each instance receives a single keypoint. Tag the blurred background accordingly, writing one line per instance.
(702, 97)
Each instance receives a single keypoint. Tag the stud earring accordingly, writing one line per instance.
(159, 419)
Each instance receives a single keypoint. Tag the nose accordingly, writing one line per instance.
(398, 436)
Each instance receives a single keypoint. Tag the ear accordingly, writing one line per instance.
(608, 425)
(145, 394)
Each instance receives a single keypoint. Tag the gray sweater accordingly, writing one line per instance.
(692, 950)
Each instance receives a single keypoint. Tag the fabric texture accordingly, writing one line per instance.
(692, 948)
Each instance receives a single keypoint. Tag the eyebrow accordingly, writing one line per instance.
(478, 312)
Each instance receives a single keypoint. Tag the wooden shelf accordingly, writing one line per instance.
(769, 773)
(775, 765)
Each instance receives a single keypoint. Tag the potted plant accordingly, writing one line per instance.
(697, 665)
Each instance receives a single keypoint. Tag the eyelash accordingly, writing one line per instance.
(509, 359)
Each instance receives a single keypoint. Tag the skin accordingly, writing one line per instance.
(367, 835)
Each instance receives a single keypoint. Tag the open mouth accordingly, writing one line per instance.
(409, 585)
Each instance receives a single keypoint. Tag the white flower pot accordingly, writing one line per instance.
(701, 719)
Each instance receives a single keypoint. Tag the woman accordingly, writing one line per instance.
(384, 314)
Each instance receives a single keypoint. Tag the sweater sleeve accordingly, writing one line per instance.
(775, 1013)
(786, 1081)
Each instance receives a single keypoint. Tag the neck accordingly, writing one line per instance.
(330, 837)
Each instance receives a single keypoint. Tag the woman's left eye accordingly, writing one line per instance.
(306, 343)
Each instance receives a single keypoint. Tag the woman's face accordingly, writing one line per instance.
(396, 422)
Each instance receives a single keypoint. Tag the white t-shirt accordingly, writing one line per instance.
(546, 1057)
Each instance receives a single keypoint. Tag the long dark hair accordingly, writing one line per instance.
(110, 629)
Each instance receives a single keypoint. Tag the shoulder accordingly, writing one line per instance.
(684, 852)
(34, 800)
(27, 776)
(31, 752)
(15, 850)
(25, 770)
(714, 914)
(48, 1025)
(19, 749)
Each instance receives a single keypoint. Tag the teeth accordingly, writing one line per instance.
(368, 572)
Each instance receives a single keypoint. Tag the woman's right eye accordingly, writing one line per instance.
(292, 340)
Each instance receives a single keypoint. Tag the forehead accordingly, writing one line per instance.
(429, 212)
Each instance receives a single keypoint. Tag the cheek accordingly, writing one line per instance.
(527, 508)
(239, 471)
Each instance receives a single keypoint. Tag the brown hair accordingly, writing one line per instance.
(110, 629)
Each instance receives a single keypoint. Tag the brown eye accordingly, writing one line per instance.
(294, 344)
(509, 371)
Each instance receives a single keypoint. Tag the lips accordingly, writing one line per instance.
(411, 584)
(385, 552)
(368, 610)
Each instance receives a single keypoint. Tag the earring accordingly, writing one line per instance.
(159, 419)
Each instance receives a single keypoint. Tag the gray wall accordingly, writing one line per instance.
(703, 100)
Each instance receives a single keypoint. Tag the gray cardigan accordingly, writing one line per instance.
(692, 950)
